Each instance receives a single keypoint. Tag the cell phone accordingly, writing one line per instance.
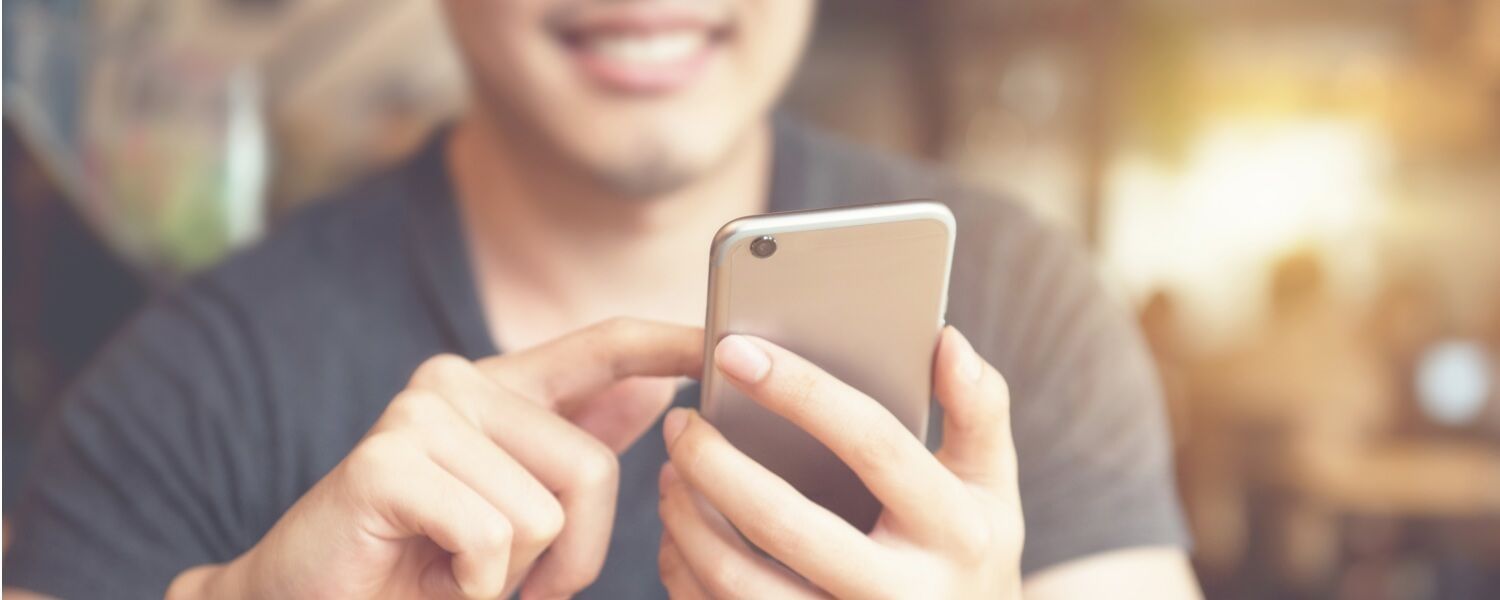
(860, 292)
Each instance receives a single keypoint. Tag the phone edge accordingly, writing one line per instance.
(750, 226)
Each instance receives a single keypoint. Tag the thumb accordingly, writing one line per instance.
(620, 414)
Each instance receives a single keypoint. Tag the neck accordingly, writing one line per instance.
(563, 252)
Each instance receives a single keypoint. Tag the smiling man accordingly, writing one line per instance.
(424, 386)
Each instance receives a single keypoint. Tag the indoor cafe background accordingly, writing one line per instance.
(1300, 200)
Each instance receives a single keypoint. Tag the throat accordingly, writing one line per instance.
(522, 311)
(549, 257)
(537, 283)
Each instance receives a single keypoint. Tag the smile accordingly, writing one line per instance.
(643, 49)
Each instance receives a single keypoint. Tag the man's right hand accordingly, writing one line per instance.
(476, 478)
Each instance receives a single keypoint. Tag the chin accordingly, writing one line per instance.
(649, 174)
(647, 165)
(639, 99)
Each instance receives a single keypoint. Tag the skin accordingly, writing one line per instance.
(952, 525)
(580, 203)
(634, 185)
(609, 146)
(469, 475)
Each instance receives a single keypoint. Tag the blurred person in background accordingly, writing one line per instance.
(404, 392)
(1316, 407)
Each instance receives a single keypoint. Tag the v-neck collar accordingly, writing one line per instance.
(439, 247)
(440, 251)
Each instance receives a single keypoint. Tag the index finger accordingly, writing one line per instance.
(578, 469)
(560, 373)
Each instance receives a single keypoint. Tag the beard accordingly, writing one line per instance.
(639, 165)
(652, 171)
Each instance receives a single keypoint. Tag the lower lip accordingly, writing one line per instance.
(642, 78)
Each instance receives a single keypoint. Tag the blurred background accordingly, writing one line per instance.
(1300, 200)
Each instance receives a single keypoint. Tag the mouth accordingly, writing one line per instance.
(643, 48)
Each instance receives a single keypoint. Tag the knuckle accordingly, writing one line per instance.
(777, 533)
(540, 527)
(552, 521)
(495, 533)
(982, 539)
(410, 408)
(375, 460)
(974, 542)
(620, 332)
(439, 368)
(377, 451)
(725, 577)
(597, 467)
(620, 327)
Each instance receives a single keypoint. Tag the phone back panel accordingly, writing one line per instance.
(859, 292)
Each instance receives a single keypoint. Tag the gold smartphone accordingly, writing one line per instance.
(860, 292)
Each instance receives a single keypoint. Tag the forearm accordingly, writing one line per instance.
(229, 581)
(1155, 572)
(20, 594)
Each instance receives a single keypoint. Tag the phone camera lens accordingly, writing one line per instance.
(763, 246)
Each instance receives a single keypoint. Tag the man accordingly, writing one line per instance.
(330, 414)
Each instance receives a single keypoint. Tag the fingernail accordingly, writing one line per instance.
(672, 426)
(741, 359)
(970, 366)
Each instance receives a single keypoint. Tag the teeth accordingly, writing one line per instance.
(654, 48)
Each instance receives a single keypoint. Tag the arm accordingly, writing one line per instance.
(1156, 573)
(20, 594)
(478, 479)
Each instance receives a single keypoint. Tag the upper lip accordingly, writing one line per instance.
(639, 17)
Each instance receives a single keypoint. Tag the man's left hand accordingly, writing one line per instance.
(951, 525)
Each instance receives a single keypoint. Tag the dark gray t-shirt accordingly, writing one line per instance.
(219, 405)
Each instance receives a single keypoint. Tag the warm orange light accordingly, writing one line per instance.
(1249, 191)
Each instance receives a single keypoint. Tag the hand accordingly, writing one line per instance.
(470, 474)
(951, 525)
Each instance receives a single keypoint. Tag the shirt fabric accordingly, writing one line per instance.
(224, 401)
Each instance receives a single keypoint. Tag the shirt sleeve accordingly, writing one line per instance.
(1087, 414)
(145, 467)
